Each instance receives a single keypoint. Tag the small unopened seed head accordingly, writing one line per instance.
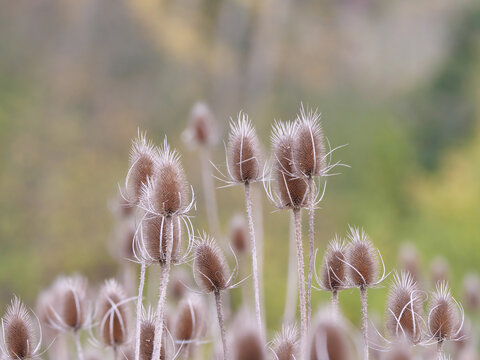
(329, 339)
(147, 336)
(72, 313)
(309, 147)
(292, 189)
(190, 323)
(285, 344)
(18, 332)
(201, 128)
(471, 288)
(334, 271)
(113, 314)
(442, 317)
(362, 259)
(248, 344)
(209, 266)
(155, 238)
(405, 308)
(239, 237)
(244, 159)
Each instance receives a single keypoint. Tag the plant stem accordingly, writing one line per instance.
(291, 296)
(78, 344)
(311, 237)
(157, 346)
(301, 279)
(363, 296)
(221, 323)
(440, 350)
(335, 301)
(139, 310)
(256, 291)
(209, 193)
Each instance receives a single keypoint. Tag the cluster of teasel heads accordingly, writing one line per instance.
(156, 233)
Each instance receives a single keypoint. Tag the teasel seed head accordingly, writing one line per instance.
(285, 344)
(247, 342)
(239, 237)
(443, 322)
(142, 163)
(18, 332)
(112, 311)
(72, 311)
(309, 146)
(405, 308)
(244, 155)
(292, 190)
(155, 239)
(334, 271)
(190, 324)
(47, 301)
(201, 128)
(147, 336)
(210, 268)
(471, 288)
(178, 284)
(401, 350)
(362, 259)
(126, 237)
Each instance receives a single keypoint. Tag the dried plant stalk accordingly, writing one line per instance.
(301, 279)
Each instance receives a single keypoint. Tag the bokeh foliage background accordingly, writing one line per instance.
(398, 81)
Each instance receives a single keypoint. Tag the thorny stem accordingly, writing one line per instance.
(221, 323)
(291, 296)
(335, 301)
(78, 344)
(301, 280)
(139, 310)
(363, 296)
(256, 291)
(311, 236)
(440, 350)
(157, 346)
(209, 193)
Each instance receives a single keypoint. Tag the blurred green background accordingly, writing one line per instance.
(398, 81)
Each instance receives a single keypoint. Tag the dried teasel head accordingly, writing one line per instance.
(126, 237)
(471, 291)
(112, 312)
(48, 300)
(201, 128)
(239, 238)
(166, 192)
(361, 259)
(153, 239)
(285, 344)
(210, 268)
(405, 308)
(147, 336)
(142, 163)
(309, 146)
(244, 155)
(247, 343)
(334, 270)
(190, 322)
(443, 316)
(18, 333)
(291, 189)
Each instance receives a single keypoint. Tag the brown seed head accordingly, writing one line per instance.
(178, 284)
(112, 314)
(202, 125)
(442, 317)
(209, 266)
(329, 340)
(405, 308)
(309, 147)
(147, 336)
(72, 314)
(334, 272)
(362, 259)
(292, 190)
(155, 237)
(126, 238)
(248, 344)
(47, 301)
(190, 322)
(243, 151)
(239, 237)
(399, 351)
(285, 343)
(18, 331)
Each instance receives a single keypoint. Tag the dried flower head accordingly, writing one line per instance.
(126, 239)
(244, 163)
(210, 267)
(443, 320)
(291, 189)
(239, 237)
(247, 343)
(154, 239)
(190, 324)
(142, 164)
(18, 333)
(329, 339)
(47, 301)
(471, 289)
(147, 336)
(309, 147)
(334, 271)
(285, 344)
(405, 308)
(112, 314)
(201, 127)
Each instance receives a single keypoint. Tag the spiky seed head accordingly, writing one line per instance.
(439, 269)
(248, 344)
(142, 164)
(292, 190)
(309, 146)
(334, 272)
(190, 322)
(166, 194)
(73, 296)
(18, 331)
(239, 234)
(442, 315)
(147, 336)
(405, 308)
(209, 266)
(409, 260)
(471, 289)
(201, 128)
(47, 301)
(329, 339)
(113, 314)
(244, 155)
(362, 259)
(155, 238)
(285, 344)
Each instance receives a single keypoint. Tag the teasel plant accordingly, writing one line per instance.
(166, 198)
(244, 166)
(246, 339)
(212, 275)
(445, 318)
(190, 324)
(362, 271)
(290, 192)
(147, 336)
(239, 242)
(333, 277)
(285, 343)
(20, 339)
